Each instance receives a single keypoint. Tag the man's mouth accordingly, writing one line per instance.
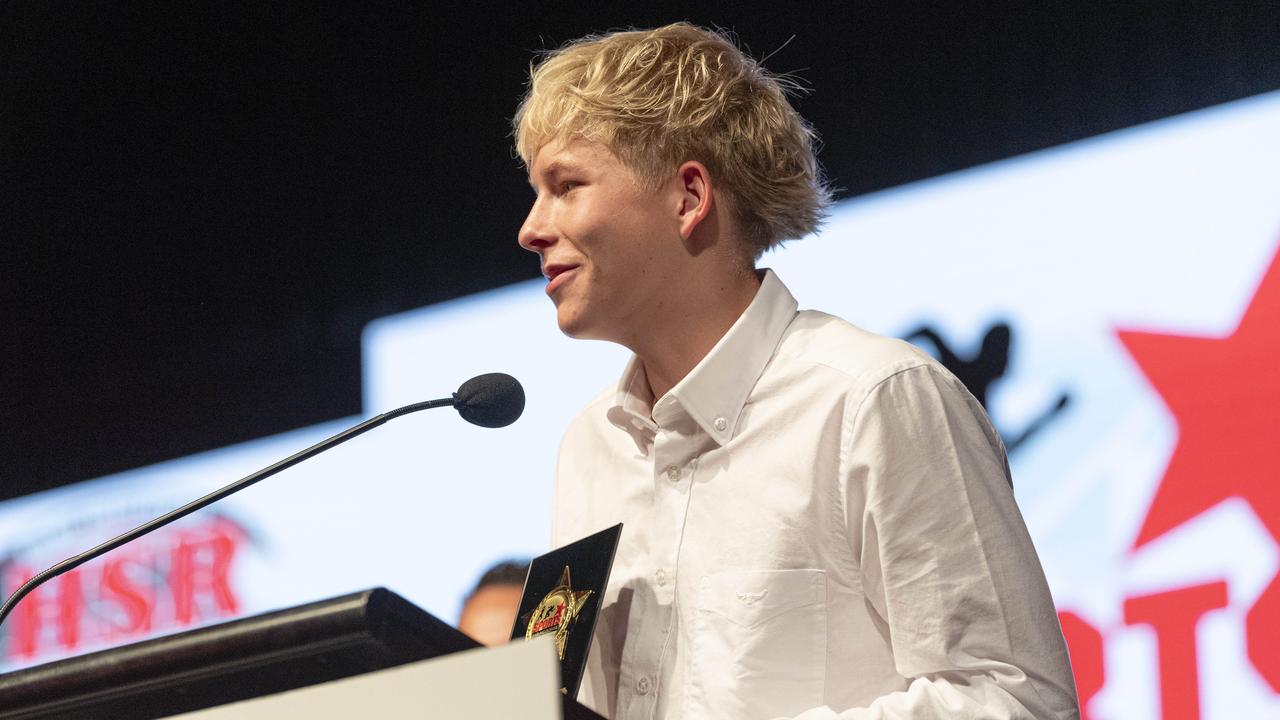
(557, 275)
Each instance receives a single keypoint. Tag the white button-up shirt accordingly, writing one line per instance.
(819, 523)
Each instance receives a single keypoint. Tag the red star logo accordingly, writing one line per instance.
(1224, 393)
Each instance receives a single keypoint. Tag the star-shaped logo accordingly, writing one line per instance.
(557, 612)
(1224, 394)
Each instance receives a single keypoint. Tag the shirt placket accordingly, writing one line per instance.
(646, 657)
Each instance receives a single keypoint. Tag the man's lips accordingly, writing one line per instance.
(557, 275)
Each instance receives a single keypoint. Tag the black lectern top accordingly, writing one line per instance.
(242, 659)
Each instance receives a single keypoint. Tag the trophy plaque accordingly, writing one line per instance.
(562, 596)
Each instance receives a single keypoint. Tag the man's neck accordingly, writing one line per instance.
(679, 339)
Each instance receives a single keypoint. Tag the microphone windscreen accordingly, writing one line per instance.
(492, 400)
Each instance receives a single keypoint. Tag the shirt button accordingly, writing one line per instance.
(660, 577)
(721, 424)
(643, 685)
(673, 473)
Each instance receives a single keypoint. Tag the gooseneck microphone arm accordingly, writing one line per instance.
(213, 497)
(491, 400)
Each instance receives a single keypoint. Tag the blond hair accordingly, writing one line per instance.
(657, 98)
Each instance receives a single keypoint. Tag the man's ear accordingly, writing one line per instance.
(695, 195)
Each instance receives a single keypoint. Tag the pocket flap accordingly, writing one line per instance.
(750, 598)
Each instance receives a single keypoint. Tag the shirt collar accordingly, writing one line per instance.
(715, 391)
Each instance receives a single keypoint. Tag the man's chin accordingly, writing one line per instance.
(575, 325)
(574, 330)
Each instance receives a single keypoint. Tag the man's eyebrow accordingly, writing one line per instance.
(555, 167)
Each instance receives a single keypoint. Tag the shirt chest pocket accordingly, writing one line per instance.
(759, 644)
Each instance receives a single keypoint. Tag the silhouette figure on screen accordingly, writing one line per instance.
(980, 371)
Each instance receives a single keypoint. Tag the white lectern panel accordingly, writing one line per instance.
(520, 680)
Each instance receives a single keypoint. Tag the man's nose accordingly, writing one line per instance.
(536, 233)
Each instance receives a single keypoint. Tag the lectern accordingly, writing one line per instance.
(207, 667)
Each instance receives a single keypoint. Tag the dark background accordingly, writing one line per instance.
(201, 204)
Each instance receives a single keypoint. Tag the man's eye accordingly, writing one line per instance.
(567, 186)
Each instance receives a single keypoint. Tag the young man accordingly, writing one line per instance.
(819, 521)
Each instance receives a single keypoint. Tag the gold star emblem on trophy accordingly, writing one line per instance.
(557, 611)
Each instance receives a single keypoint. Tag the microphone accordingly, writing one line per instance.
(492, 400)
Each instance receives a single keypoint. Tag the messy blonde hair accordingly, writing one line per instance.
(657, 98)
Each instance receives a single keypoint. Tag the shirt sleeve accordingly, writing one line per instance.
(946, 561)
